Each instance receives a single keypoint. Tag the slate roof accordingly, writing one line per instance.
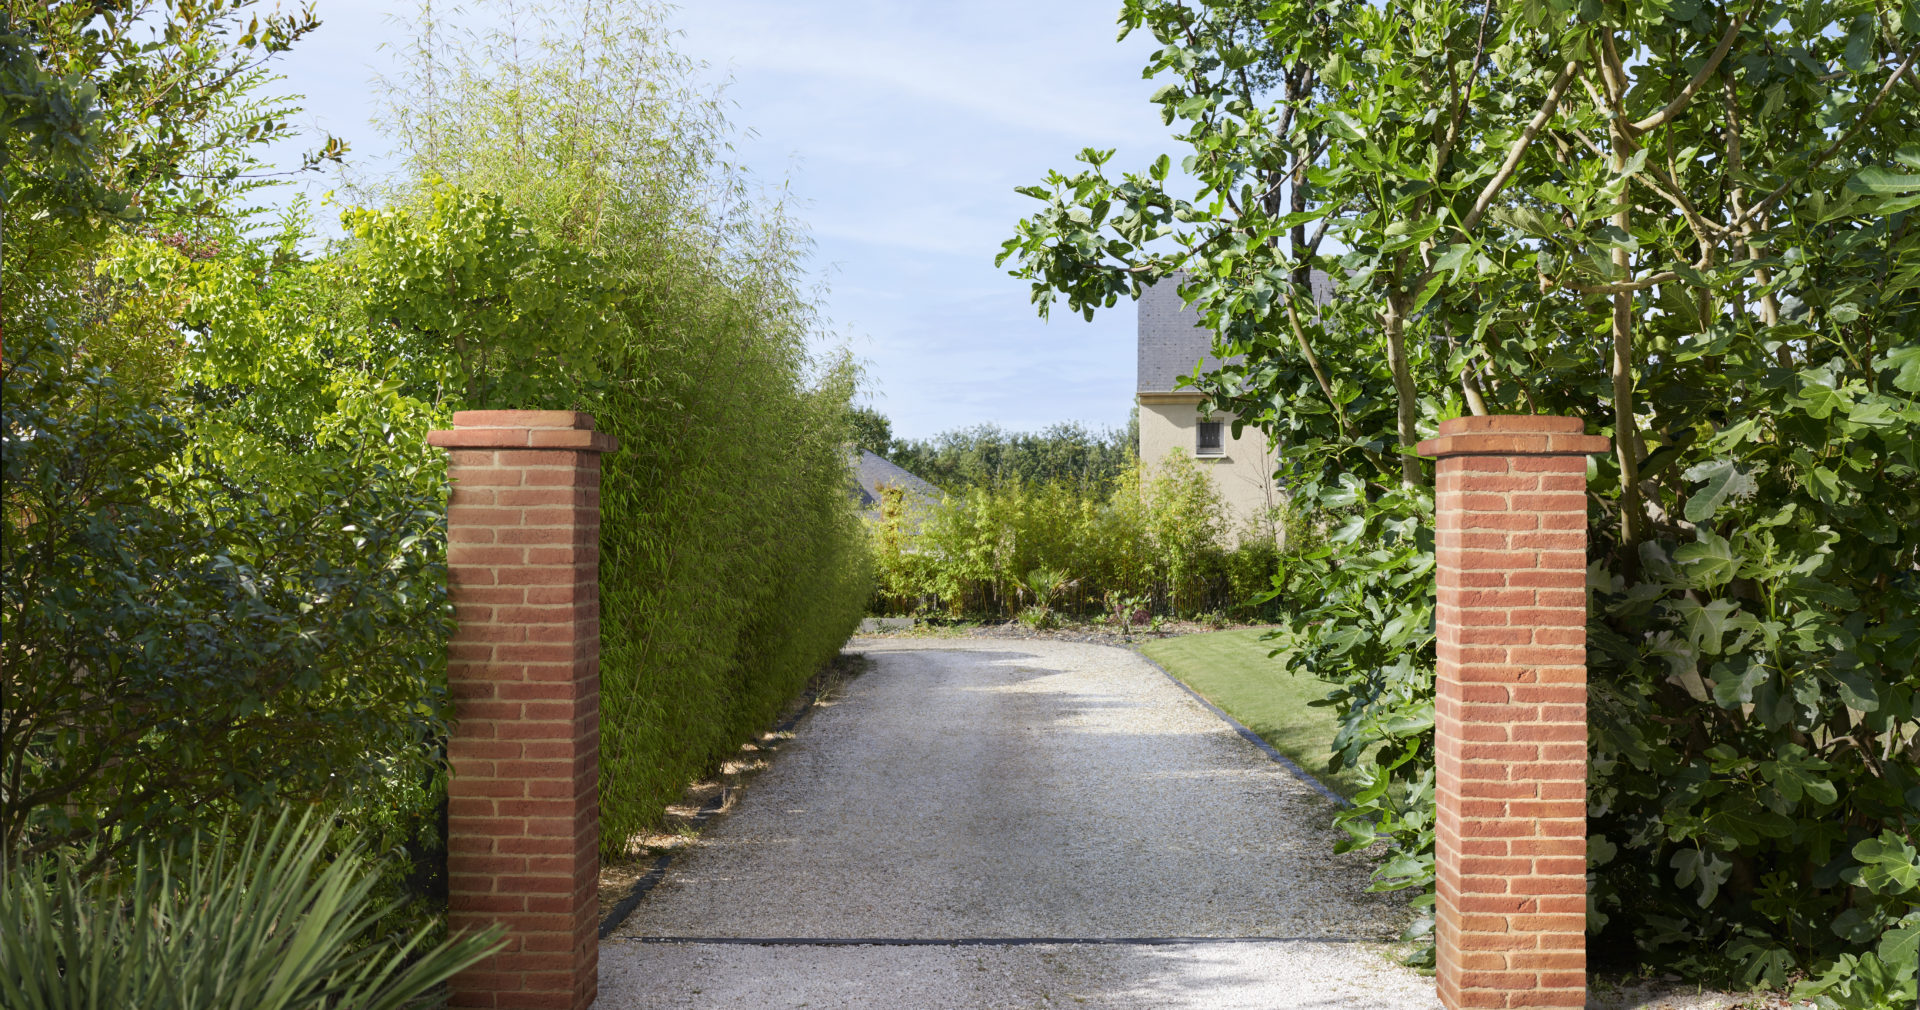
(871, 472)
(1172, 339)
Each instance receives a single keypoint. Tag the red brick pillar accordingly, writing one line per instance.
(1510, 710)
(523, 825)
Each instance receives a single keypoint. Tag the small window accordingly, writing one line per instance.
(1207, 440)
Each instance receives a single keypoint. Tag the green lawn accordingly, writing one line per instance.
(1231, 669)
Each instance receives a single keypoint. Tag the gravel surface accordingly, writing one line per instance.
(967, 788)
(1209, 977)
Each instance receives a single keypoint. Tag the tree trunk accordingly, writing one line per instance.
(1626, 434)
(1406, 401)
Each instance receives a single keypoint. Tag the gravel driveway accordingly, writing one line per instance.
(981, 791)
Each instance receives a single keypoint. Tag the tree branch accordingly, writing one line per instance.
(1680, 101)
(1799, 179)
(1519, 148)
(1625, 287)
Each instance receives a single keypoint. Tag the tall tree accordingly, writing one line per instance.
(1690, 222)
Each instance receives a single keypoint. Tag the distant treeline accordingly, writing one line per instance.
(984, 455)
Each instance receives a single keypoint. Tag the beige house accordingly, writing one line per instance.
(1172, 341)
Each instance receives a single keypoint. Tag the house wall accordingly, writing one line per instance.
(1244, 474)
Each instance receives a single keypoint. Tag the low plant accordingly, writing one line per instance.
(266, 924)
(1039, 618)
(1046, 585)
(1127, 611)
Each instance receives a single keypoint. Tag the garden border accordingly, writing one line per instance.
(1249, 735)
(625, 907)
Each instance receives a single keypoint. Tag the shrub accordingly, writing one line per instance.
(1159, 534)
(265, 923)
(181, 643)
(209, 607)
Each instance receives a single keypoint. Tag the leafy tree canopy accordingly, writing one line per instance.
(1691, 223)
(987, 454)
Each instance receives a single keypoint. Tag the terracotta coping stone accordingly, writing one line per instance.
(1507, 434)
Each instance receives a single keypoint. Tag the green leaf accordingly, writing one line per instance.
(1818, 394)
(1747, 826)
(1724, 481)
(1876, 180)
(1824, 483)
(1763, 963)
(1858, 926)
(1732, 690)
(1857, 690)
(1708, 623)
(1888, 865)
(1707, 869)
(1452, 257)
(1527, 220)
(1708, 563)
(1342, 124)
(1796, 773)
(1610, 237)
(1904, 361)
(1859, 50)
(1901, 944)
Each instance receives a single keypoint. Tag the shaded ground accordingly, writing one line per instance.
(968, 788)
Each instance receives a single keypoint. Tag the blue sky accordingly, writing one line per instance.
(903, 128)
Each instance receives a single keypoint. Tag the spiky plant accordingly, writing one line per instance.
(267, 924)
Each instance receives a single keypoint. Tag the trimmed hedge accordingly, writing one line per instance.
(732, 560)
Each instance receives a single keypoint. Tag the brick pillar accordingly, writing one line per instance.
(523, 824)
(1510, 710)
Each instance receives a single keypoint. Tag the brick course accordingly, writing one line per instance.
(523, 665)
(1510, 722)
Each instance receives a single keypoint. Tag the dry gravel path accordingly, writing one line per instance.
(984, 790)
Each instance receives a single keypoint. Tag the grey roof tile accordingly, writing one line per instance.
(1172, 339)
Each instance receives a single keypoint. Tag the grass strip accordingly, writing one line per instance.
(1231, 669)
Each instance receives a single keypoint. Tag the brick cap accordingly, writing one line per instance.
(570, 430)
(1513, 435)
(523, 419)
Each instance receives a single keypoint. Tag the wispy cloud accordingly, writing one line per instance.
(1022, 66)
(903, 127)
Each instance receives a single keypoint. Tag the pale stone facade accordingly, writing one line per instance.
(1242, 468)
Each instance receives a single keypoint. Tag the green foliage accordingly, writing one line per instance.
(169, 624)
(732, 561)
(1888, 869)
(871, 430)
(1162, 536)
(1691, 224)
(216, 444)
(126, 112)
(223, 584)
(985, 454)
(158, 105)
(616, 264)
(524, 315)
(264, 923)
